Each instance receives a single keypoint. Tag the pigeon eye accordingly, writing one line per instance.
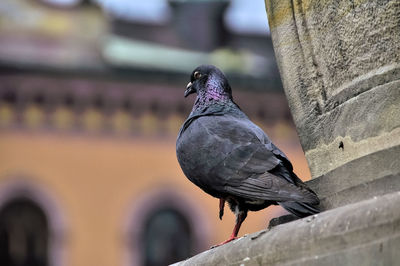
(197, 75)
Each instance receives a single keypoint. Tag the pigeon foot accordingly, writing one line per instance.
(226, 241)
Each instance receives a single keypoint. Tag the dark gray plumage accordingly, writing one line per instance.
(229, 157)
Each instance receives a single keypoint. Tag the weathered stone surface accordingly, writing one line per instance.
(366, 177)
(340, 66)
(364, 233)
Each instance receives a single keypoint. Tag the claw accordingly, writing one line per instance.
(226, 241)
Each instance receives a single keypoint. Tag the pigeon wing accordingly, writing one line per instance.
(245, 170)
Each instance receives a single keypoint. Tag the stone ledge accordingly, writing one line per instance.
(362, 233)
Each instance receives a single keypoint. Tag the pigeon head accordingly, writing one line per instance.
(208, 81)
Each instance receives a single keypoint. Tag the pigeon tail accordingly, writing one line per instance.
(300, 209)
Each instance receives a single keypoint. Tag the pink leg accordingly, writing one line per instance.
(239, 220)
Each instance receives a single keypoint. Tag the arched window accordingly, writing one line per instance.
(23, 234)
(167, 237)
(32, 228)
(164, 226)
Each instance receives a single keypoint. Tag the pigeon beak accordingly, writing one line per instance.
(189, 89)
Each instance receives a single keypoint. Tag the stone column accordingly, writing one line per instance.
(340, 65)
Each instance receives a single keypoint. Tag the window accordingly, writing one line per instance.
(166, 238)
(23, 234)
(164, 226)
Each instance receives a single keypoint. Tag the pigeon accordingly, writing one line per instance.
(229, 157)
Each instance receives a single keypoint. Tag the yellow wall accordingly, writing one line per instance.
(96, 180)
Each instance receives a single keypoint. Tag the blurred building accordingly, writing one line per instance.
(91, 101)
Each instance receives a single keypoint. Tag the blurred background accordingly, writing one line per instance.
(91, 101)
